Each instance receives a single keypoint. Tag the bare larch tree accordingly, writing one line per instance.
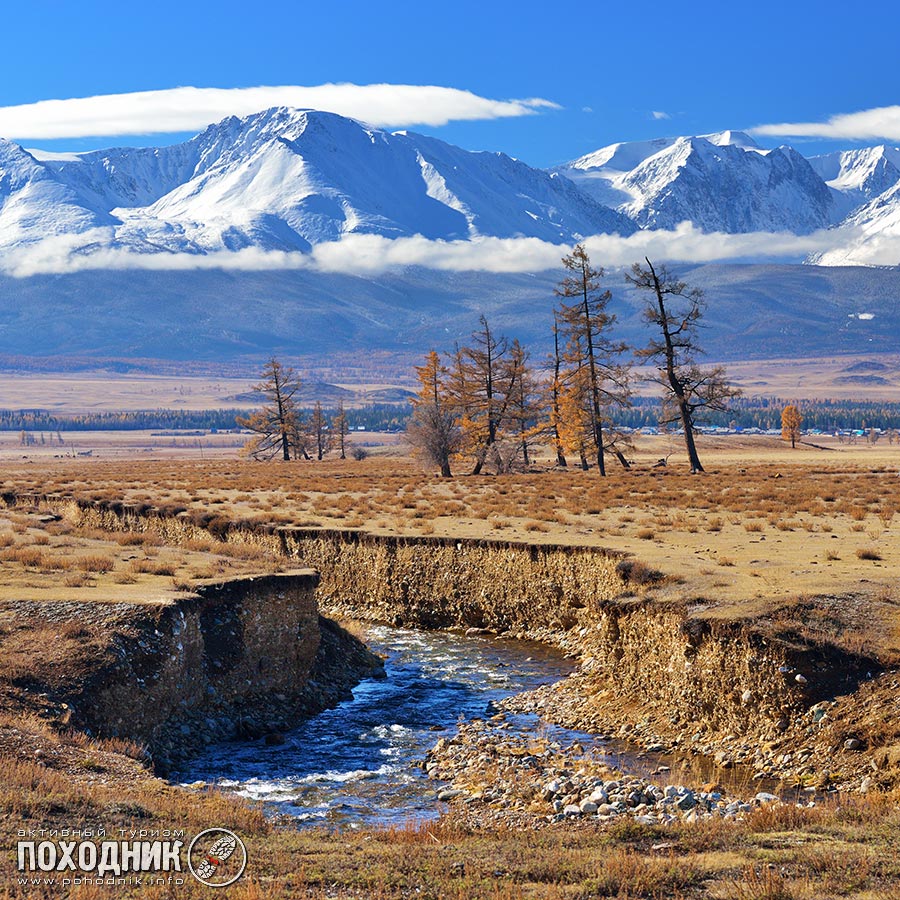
(276, 423)
(594, 356)
(433, 429)
(674, 311)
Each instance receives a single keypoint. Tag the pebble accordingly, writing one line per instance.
(537, 780)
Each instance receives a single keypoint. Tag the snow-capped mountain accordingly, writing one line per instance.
(36, 204)
(720, 182)
(286, 179)
(878, 234)
(856, 177)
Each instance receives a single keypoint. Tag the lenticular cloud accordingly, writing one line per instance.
(881, 123)
(191, 108)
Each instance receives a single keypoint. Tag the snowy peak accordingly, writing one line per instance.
(877, 227)
(319, 176)
(286, 179)
(732, 138)
(862, 185)
(720, 182)
(869, 171)
(621, 157)
(624, 157)
(36, 204)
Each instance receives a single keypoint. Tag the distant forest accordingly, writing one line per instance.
(746, 412)
(376, 417)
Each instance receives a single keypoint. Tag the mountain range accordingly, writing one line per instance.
(297, 180)
(287, 179)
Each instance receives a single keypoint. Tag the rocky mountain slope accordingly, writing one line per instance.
(286, 179)
(719, 182)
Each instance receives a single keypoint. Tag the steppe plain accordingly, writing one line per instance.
(799, 542)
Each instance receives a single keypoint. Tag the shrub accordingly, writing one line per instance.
(76, 579)
(96, 563)
(868, 553)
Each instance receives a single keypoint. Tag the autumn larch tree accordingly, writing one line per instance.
(592, 354)
(478, 383)
(319, 431)
(791, 420)
(674, 311)
(276, 424)
(433, 429)
(576, 429)
(555, 390)
(340, 428)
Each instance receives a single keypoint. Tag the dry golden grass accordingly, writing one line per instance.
(779, 853)
(51, 560)
(788, 522)
(755, 537)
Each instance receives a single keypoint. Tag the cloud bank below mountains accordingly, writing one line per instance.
(372, 255)
(192, 109)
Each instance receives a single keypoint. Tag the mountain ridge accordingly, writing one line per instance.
(286, 180)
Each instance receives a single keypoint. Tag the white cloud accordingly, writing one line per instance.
(659, 114)
(881, 123)
(371, 254)
(192, 108)
(881, 249)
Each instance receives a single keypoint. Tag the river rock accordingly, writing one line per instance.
(588, 807)
(765, 797)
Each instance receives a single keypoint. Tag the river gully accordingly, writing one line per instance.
(364, 762)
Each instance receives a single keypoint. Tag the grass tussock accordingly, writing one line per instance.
(868, 553)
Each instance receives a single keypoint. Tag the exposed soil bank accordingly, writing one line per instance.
(242, 657)
(662, 672)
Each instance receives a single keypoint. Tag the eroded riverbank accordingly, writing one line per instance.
(656, 671)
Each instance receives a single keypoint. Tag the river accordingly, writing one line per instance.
(357, 763)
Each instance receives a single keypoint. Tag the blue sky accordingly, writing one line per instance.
(707, 66)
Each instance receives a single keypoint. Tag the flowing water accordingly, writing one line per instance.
(357, 762)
